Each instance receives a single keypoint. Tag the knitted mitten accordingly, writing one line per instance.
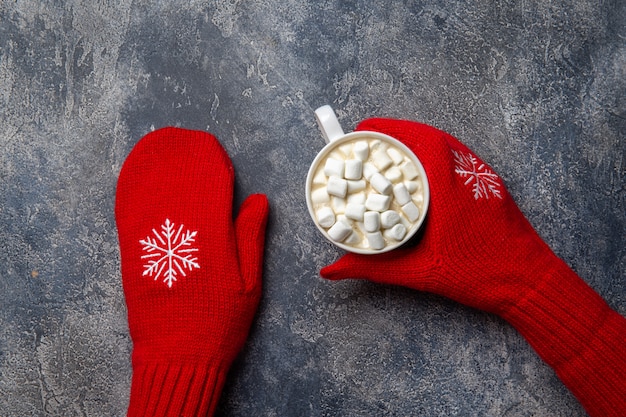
(191, 277)
(479, 249)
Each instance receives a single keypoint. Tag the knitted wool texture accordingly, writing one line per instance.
(191, 277)
(478, 249)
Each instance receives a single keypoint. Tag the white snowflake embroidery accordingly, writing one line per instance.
(169, 253)
(483, 180)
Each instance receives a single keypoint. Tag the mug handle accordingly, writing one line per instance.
(328, 123)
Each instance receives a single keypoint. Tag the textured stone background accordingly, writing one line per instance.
(537, 88)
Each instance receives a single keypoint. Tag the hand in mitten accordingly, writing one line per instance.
(191, 277)
(478, 249)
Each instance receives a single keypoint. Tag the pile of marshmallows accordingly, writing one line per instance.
(367, 194)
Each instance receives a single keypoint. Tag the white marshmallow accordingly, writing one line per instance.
(353, 169)
(334, 168)
(411, 211)
(381, 183)
(343, 218)
(395, 155)
(371, 221)
(338, 204)
(368, 170)
(401, 194)
(412, 186)
(397, 232)
(377, 202)
(339, 231)
(326, 217)
(356, 198)
(356, 186)
(361, 150)
(319, 178)
(407, 224)
(409, 170)
(381, 159)
(393, 174)
(418, 199)
(355, 211)
(361, 228)
(346, 148)
(337, 186)
(389, 218)
(352, 239)
(376, 240)
(320, 196)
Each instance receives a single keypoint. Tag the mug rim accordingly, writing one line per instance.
(391, 140)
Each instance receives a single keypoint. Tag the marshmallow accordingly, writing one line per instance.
(381, 183)
(406, 222)
(393, 174)
(338, 204)
(412, 186)
(346, 148)
(353, 169)
(409, 170)
(395, 156)
(337, 186)
(319, 178)
(360, 228)
(334, 168)
(355, 211)
(376, 240)
(397, 232)
(389, 218)
(320, 196)
(343, 218)
(352, 239)
(339, 231)
(361, 150)
(401, 194)
(371, 221)
(326, 217)
(377, 202)
(381, 159)
(411, 211)
(368, 170)
(356, 186)
(356, 198)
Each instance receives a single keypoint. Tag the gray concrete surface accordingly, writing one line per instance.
(537, 88)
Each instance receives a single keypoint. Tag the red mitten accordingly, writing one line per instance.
(479, 249)
(192, 278)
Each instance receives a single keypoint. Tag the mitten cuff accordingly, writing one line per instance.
(573, 329)
(162, 389)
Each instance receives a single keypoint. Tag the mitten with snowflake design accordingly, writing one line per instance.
(478, 248)
(191, 276)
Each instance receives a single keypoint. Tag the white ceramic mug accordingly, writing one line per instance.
(353, 235)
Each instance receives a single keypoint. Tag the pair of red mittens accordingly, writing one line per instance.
(192, 277)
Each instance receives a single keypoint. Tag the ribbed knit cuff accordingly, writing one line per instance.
(160, 389)
(573, 329)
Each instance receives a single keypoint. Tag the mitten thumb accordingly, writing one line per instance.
(410, 267)
(346, 267)
(250, 236)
